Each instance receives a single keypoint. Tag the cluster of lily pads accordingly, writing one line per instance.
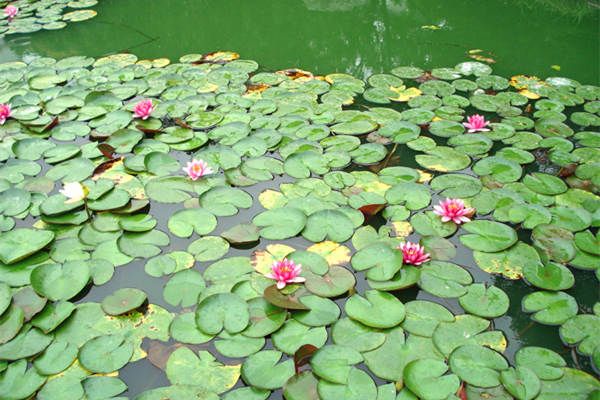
(286, 243)
(26, 16)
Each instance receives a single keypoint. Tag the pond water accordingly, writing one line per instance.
(358, 37)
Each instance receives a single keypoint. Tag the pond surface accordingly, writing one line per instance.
(360, 37)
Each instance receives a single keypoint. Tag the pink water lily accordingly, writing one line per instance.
(143, 109)
(11, 11)
(476, 123)
(414, 253)
(453, 210)
(197, 169)
(284, 272)
(5, 113)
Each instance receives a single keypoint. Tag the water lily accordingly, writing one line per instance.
(197, 169)
(143, 109)
(74, 191)
(11, 11)
(453, 210)
(5, 113)
(284, 272)
(414, 253)
(476, 123)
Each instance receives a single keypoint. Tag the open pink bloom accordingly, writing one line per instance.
(414, 253)
(143, 109)
(476, 123)
(284, 272)
(5, 113)
(11, 11)
(197, 169)
(453, 210)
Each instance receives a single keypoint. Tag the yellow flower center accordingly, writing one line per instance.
(284, 269)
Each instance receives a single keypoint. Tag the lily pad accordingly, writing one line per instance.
(123, 300)
(19, 244)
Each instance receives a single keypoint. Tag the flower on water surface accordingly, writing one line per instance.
(453, 210)
(143, 109)
(11, 11)
(197, 169)
(5, 113)
(74, 191)
(414, 253)
(284, 272)
(476, 123)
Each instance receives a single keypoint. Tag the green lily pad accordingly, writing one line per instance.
(301, 387)
(379, 260)
(488, 236)
(487, 302)
(337, 281)
(280, 223)
(20, 382)
(184, 288)
(377, 309)
(334, 363)
(581, 330)
(222, 311)
(521, 382)
(56, 358)
(225, 201)
(574, 384)
(557, 243)
(19, 244)
(263, 370)
(321, 311)
(426, 378)
(123, 301)
(443, 159)
(545, 363)
(350, 333)
(184, 223)
(551, 308)
(359, 386)
(444, 279)
(478, 365)
(422, 317)
(328, 224)
(105, 354)
(294, 334)
(60, 281)
(202, 371)
(552, 276)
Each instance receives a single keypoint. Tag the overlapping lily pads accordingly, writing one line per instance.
(298, 175)
(48, 15)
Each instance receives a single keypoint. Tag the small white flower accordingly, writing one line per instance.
(74, 191)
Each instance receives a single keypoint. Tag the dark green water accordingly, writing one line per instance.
(356, 36)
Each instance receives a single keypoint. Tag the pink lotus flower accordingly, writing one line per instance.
(284, 272)
(143, 109)
(476, 123)
(197, 169)
(414, 253)
(11, 11)
(453, 210)
(5, 113)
